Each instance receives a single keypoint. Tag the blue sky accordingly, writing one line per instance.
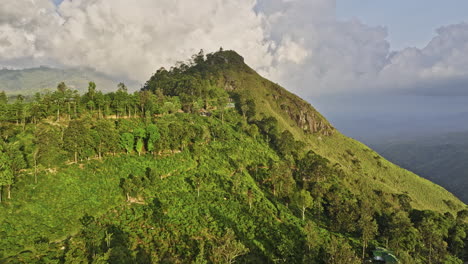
(409, 22)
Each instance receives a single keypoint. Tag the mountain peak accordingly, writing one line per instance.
(227, 70)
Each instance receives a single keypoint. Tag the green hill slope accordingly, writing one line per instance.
(297, 116)
(30, 81)
(209, 163)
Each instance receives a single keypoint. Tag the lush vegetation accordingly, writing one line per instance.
(208, 163)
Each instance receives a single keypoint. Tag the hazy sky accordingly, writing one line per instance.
(312, 47)
(409, 22)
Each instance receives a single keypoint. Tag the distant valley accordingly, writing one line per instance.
(30, 81)
(442, 159)
(424, 134)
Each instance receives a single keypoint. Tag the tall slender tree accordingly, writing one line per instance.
(6, 173)
(77, 139)
(303, 200)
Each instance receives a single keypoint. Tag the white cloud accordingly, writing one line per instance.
(340, 55)
(442, 64)
(349, 56)
(124, 37)
(299, 43)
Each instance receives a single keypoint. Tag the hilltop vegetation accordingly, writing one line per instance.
(208, 163)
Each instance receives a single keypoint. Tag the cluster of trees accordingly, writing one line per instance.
(65, 104)
(316, 191)
(207, 189)
(46, 145)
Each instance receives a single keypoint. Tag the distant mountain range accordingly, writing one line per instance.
(30, 81)
(442, 159)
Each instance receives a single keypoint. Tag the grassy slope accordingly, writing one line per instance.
(386, 177)
(52, 208)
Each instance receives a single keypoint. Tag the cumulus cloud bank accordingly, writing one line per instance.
(125, 37)
(298, 43)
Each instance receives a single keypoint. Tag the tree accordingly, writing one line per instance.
(285, 144)
(176, 135)
(89, 97)
(127, 142)
(339, 252)
(403, 236)
(59, 97)
(77, 139)
(153, 136)
(199, 58)
(121, 100)
(19, 109)
(92, 90)
(251, 109)
(3, 98)
(100, 100)
(269, 127)
(145, 99)
(303, 200)
(221, 99)
(108, 138)
(342, 210)
(139, 134)
(456, 239)
(248, 108)
(228, 248)
(49, 150)
(131, 186)
(367, 225)
(312, 168)
(6, 173)
(3, 106)
(16, 163)
(282, 180)
(198, 178)
(433, 240)
(313, 239)
(250, 197)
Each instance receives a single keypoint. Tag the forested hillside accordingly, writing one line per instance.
(208, 163)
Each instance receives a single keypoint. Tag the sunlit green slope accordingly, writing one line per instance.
(359, 161)
(209, 163)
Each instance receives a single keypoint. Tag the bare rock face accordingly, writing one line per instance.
(305, 116)
(229, 83)
(310, 122)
